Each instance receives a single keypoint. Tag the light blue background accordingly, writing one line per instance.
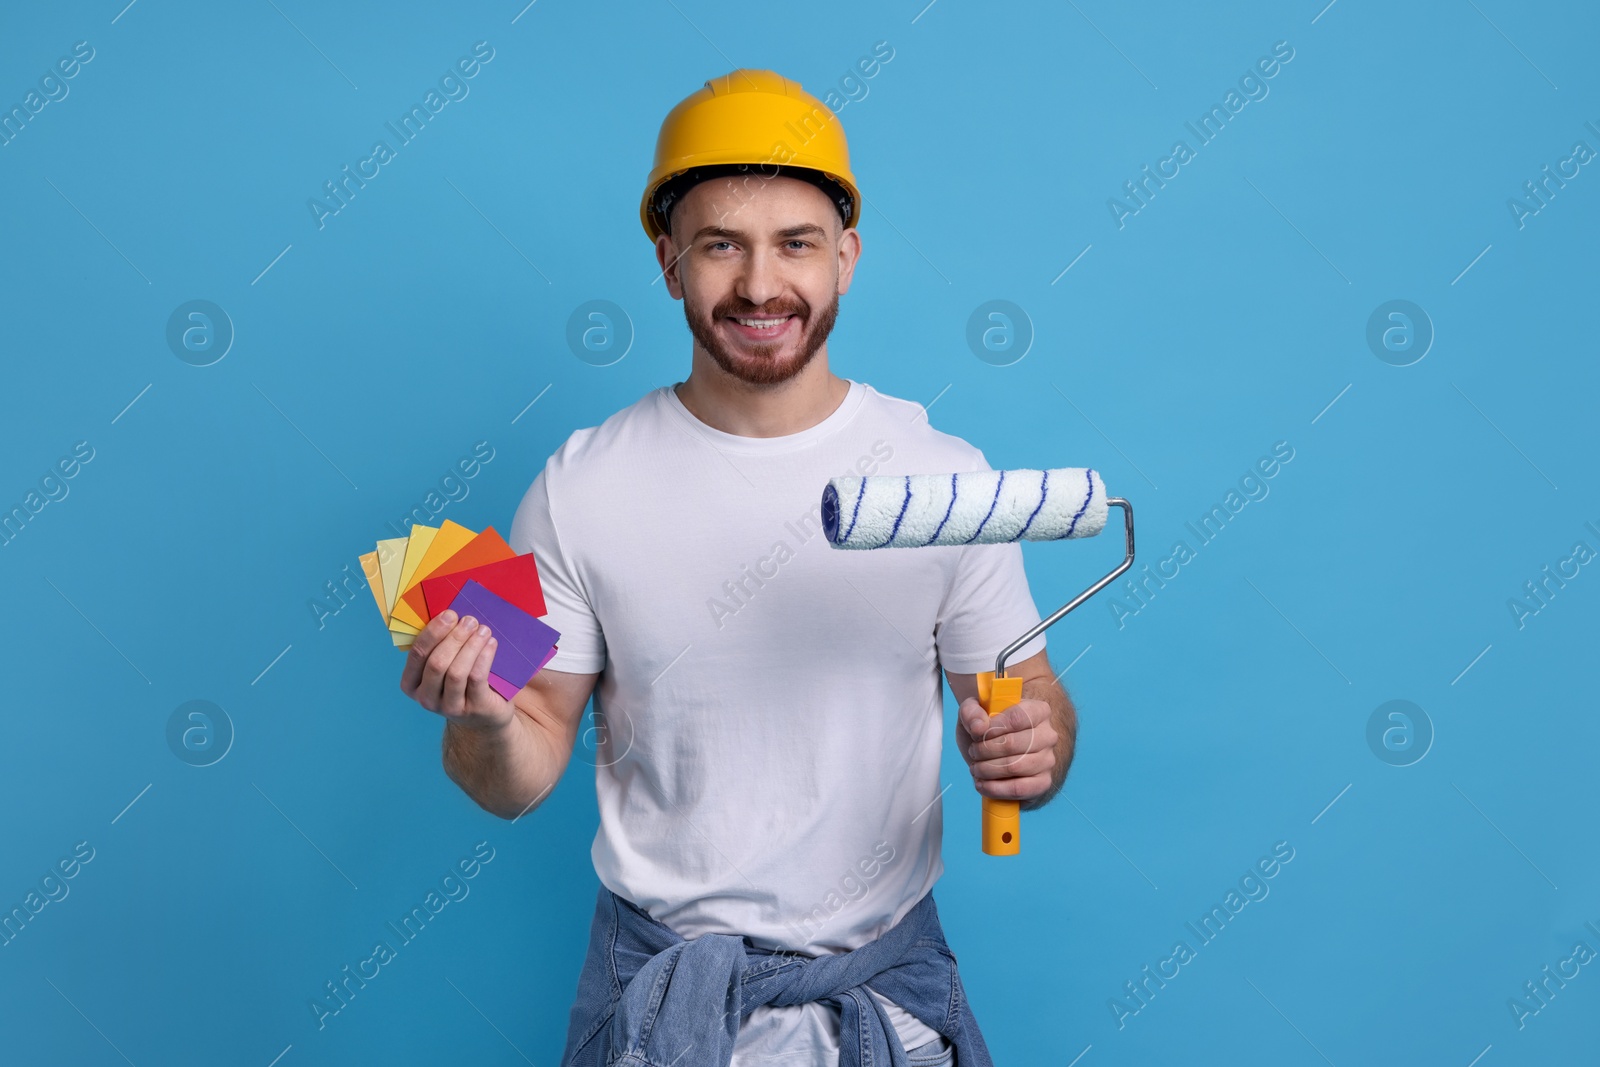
(1224, 317)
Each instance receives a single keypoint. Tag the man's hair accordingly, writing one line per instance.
(674, 189)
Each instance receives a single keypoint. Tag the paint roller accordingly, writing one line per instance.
(978, 508)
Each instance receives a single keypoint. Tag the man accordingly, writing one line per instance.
(769, 769)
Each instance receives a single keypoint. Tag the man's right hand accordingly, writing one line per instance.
(447, 672)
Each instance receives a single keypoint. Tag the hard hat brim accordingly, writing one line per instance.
(663, 195)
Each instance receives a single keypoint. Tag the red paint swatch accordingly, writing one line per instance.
(515, 579)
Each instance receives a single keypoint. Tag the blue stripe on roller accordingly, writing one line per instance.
(1089, 477)
(947, 512)
(854, 512)
(1044, 491)
(992, 503)
(830, 513)
(903, 505)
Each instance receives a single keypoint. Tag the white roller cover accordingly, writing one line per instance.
(978, 507)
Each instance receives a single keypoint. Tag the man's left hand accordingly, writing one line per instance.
(1012, 755)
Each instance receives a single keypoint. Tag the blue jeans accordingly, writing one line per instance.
(936, 1053)
(646, 996)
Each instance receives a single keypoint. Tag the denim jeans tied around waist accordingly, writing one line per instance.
(646, 996)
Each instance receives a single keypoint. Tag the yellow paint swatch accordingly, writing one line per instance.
(451, 538)
(369, 567)
(416, 547)
(391, 556)
(403, 640)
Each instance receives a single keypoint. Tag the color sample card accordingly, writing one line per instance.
(416, 547)
(369, 567)
(413, 578)
(505, 688)
(391, 557)
(487, 547)
(451, 538)
(524, 641)
(516, 579)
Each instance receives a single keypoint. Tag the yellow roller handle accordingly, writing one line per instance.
(1002, 819)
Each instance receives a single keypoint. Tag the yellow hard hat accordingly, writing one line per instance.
(752, 121)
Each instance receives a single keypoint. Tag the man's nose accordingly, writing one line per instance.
(760, 280)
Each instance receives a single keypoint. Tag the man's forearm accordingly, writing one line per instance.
(506, 770)
(1065, 720)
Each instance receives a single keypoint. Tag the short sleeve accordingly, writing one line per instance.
(581, 648)
(987, 606)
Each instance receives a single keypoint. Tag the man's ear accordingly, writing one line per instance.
(849, 254)
(667, 258)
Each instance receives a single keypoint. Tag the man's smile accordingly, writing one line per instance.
(761, 328)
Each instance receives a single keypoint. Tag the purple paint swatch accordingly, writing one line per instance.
(525, 643)
(505, 688)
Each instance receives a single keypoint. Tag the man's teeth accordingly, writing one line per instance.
(762, 324)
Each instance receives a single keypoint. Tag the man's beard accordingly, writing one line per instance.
(760, 367)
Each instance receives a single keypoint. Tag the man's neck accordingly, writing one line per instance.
(734, 406)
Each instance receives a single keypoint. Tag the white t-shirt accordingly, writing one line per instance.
(772, 706)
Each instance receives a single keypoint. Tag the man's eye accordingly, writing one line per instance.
(719, 244)
(802, 244)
